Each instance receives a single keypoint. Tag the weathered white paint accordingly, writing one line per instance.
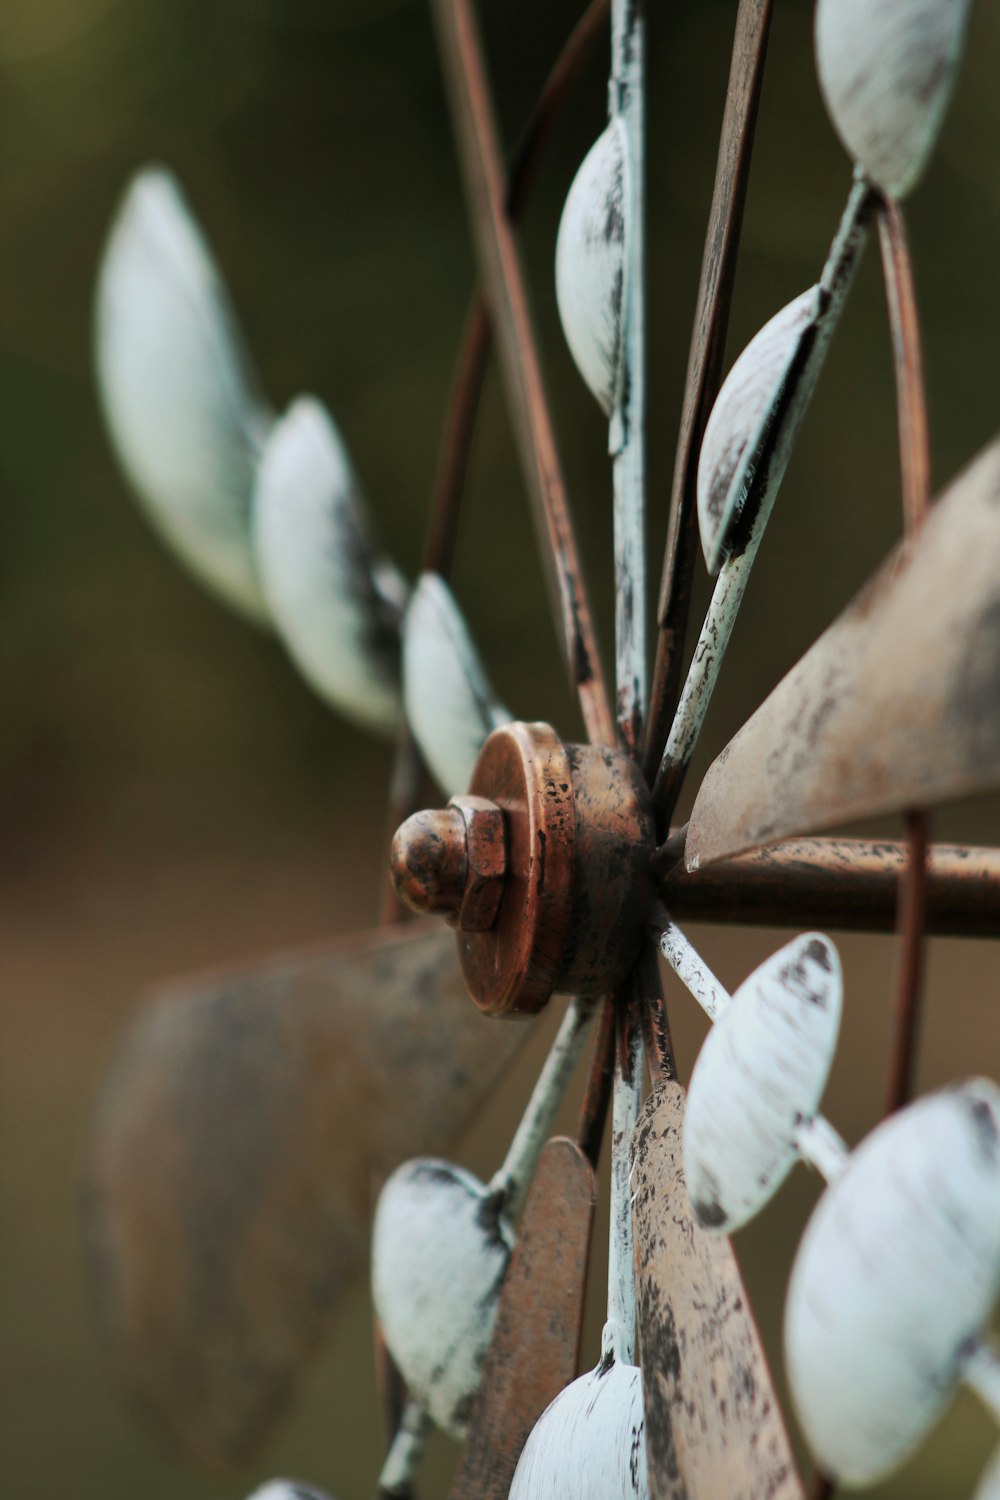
(512, 1178)
(626, 1100)
(689, 966)
(336, 602)
(741, 419)
(894, 1279)
(887, 69)
(288, 1489)
(589, 1444)
(821, 1147)
(449, 702)
(734, 574)
(178, 393)
(627, 430)
(989, 1484)
(591, 264)
(440, 1248)
(762, 1068)
(406, 1450)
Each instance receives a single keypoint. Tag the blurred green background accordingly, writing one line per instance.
(170, 793)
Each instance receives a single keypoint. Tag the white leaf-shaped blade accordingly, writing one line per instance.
(288, 1489)
(887, 69)
(897, 1270)
(761, 1070)
(449, 702)
(337, 605)
(742, 419)
(896, 705)
(440, 1250)
(589, 1444)
(591, 260)
(179, 396)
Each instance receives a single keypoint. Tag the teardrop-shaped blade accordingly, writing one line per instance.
(451, 707)
(238, 1140)
(742, 420)
(536, 1338)
(887, 69)
(897, 1272)
(179, 396)
(896, 705)
(713, 1420)
(761, 1071)
(591, 264)
(337, 604)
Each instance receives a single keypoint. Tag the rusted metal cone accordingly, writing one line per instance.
(230, 1175)
(592, 264)
(590, 1443)
(896, 1275)
(336, 600)
(897, 705)
(179, 397)
(760, 1072)
(743, 418)
(440, 1248)
(887, 69)
(450, 705)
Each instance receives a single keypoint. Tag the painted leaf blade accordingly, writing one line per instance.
(229, 1176)
(896, 705)
(337, 603)
(713, 1421)
(179, 395)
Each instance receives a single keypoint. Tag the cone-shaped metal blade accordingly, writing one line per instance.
(713, 1422)
(229, 1179)
(896, 705)
(536, 1339)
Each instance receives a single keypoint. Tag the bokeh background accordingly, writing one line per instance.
(171, 794)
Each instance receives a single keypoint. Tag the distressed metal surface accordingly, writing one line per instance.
(228, 1180)
(896, 705)
(536, 1338)
(846, 883)
(713, 1421)
(887, 69)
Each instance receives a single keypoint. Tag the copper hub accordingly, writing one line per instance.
(543, 868)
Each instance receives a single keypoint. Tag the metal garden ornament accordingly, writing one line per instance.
(549, 861)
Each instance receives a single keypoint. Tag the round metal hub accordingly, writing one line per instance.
(551, 897)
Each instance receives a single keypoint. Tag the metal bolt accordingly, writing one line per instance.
(452, 862)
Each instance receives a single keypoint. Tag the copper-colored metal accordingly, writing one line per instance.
(915, 466)
(597, 1092)
(228, 1180)
(536, 1339)
(851, 884)
(565, 838)
(476, 134)
(896, 705)
(705, 360)
(713, 1419)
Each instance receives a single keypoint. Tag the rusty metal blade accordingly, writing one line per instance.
(228, 1183)
(713, 1421)
(536, 1338)
(896, 705)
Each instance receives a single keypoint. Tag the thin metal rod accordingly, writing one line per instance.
(653, 1009)
(476, 135)
(627, 432)
(626, 1101)
(844, 883)
(512, 1178)
(703, 673)
(688, 964)
(403, 1458)
(705, 358)
(821, 1147)
(914, 456)
(597, 1093)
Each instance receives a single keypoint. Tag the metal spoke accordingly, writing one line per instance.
(504, 284)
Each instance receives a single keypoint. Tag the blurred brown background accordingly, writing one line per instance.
(171, 794)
